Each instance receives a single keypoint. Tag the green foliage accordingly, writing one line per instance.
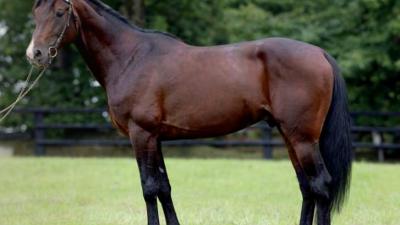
(196, 22)
(364, 35)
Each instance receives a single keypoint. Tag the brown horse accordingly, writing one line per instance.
(160, 88)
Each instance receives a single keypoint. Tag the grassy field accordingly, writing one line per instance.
(54, 191)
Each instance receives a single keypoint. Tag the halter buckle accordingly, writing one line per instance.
(53, 52)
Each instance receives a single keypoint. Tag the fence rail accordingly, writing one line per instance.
(268, 142)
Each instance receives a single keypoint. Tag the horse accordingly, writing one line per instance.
(160, 88)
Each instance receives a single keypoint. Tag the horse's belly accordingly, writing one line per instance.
(220, 92)
(212, 117)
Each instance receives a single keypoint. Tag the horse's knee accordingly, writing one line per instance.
(150, 189)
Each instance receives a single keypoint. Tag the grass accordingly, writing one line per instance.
(54, 191)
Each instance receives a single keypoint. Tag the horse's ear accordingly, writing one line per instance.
(37, 3)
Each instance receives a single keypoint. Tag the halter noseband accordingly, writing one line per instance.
(53, 49)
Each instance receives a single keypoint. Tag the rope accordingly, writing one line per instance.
(53, 51)
(24, 91)
(28, 79)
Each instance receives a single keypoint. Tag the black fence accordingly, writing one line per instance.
(373, 138)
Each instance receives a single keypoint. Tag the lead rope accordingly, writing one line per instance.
(24, 91)
(53, 51)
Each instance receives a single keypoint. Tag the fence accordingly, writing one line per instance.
(376, 140)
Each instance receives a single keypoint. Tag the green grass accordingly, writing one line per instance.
(53, 191)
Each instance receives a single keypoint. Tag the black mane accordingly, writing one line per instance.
(124, 20)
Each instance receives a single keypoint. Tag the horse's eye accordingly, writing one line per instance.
(60, 13)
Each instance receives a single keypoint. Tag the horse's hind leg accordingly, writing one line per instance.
(314, 167)
(321, 190)
(314, 176)
(302, 137)
(308, 205)
(323, 211)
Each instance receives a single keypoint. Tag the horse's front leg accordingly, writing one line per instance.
(145, 145)
(165, 191)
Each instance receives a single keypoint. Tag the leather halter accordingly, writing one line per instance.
(53, 49)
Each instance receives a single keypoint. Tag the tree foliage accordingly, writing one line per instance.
(364, 35)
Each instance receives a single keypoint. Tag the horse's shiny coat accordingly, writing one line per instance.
(160, 88)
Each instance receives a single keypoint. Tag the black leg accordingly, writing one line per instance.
(150, 186)
(145, 146)
(320, 186)
(165, 191)
(323, 212)
(307, 211)
(308, 206)
(314, 181)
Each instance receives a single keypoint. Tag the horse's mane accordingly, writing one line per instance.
(124, 20)
(110, 11)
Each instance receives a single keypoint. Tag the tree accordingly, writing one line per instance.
(364, 35)
(134, 10)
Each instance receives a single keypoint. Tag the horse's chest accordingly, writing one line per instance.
(118, 121)
(143, 109)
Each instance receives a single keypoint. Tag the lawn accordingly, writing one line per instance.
(54, 191)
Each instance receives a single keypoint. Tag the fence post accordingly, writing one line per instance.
(377, 140)
(267, 148)
(39, 133)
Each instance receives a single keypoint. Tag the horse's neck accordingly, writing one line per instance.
(105, 43)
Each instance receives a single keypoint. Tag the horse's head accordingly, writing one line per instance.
(52, 19)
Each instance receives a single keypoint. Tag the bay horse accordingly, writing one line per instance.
(160, 88)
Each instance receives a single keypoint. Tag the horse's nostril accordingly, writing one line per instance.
(38, 53)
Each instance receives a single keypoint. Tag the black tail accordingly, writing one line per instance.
(335, 142)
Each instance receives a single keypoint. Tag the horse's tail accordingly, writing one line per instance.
(335, 141)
